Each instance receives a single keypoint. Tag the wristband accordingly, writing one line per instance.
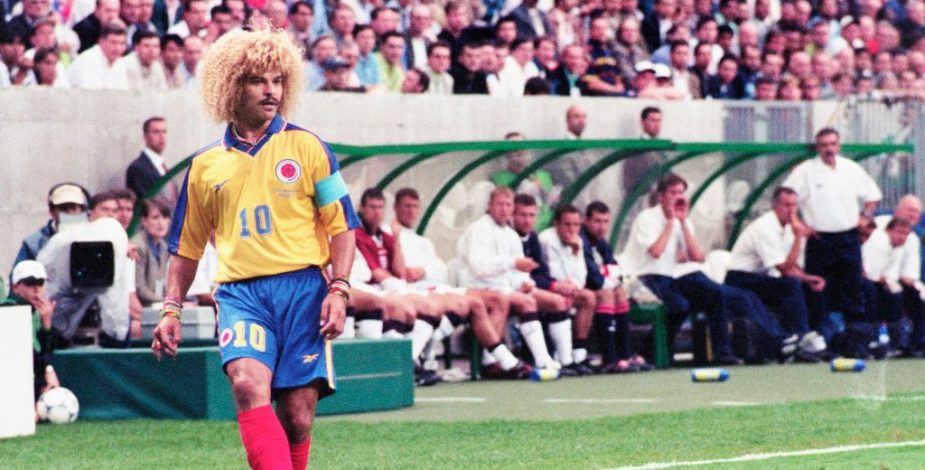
(341, 280)
(339, 290)
(170, 312)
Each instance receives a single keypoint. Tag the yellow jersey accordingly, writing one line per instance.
(272, 206)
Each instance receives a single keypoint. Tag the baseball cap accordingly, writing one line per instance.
(644, 65)
(28, 268)
(67, 194)
(662, 71)
(335, 63)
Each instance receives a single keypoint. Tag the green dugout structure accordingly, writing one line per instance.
(469, 158)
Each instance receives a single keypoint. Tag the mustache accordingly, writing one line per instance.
(272, 101)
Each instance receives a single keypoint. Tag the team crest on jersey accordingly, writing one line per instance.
(225, 337)
(288, 171)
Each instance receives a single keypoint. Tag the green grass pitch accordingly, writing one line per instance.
(597, 422)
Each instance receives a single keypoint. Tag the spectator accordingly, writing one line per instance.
(457, 20)
(143, 66)
(766, 260)
(833, 190)
(195, 20)
(545, 56)
(418, 37)
(337, 76)
(367, 67)
(553, 295)
(415, 82)
(384, 20)
(566, 79)
(518, 68)
(277, 12)
(766, 89)
(493, 262)
(67, 205)
(790, 89)
(101, 67)
(564, 22)
(506, 31)
(90, 28)
(627, 50)
(145, 15)
(727, 84)
(193, 48)
(32, 12)
(531, 23)
(468, 77)
(129, 14)
(437, 69)
(343, 22)
(682, 79)
(665, 254)
(221, 23)
(28, 288)
(171, 57)
(389, 59)
(47, 70)
(301, 16)
(150, 166)
(151, 268)
(14, 67)
(656, 24)
(678, 32)
(125, 199)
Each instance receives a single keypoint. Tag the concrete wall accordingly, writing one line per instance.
(49, 136)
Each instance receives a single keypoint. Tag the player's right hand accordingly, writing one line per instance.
(167, 337)
(525, 264)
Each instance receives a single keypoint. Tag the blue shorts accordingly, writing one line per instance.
(275, 320)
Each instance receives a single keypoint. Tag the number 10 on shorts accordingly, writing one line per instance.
(255, 335)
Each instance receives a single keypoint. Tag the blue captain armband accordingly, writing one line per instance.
(330, 189)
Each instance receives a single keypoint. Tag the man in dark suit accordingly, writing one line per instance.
(89, 28)
(727, 84)
(655, 25)
(531, 23)
(150, 166)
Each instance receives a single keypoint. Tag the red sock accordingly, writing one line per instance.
(264, 439)
(299, 454)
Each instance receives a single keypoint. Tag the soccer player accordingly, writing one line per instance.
(274, 197)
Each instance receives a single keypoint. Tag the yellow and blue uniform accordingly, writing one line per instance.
(272, 207)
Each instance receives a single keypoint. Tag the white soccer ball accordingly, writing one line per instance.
(58, 406)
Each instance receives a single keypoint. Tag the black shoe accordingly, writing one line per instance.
(518, 372)
(591, 368)
(425, 378)
(574, 370)
(826, 355)
(728, 360)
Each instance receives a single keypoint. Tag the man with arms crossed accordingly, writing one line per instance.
(280, 211)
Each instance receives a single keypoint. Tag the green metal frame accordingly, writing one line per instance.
(622, 149)
(456, 178)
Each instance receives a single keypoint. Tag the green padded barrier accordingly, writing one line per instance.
(372, 375)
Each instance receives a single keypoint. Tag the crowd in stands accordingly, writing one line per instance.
(815, 277)
(660, 49)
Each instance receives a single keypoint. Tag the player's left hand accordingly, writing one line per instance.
(333, 314)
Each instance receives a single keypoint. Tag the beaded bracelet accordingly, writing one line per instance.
(338, 290)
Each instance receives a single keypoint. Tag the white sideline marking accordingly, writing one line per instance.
(735, 403)
(449, 400)
(598, 400)
(775, 455)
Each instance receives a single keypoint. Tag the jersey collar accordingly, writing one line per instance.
(231, 140)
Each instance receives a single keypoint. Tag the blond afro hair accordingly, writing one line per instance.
(240, 54)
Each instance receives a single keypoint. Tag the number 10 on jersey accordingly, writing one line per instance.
(262, 221)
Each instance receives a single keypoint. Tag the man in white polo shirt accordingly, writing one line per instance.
(836, 195)
(883, 253)
(101, 67)
(665, 254)
(909, 208)
(766, 260)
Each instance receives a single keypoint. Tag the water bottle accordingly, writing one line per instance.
(884, 336)
(709, 375)
(847, 365)
(544, 375)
